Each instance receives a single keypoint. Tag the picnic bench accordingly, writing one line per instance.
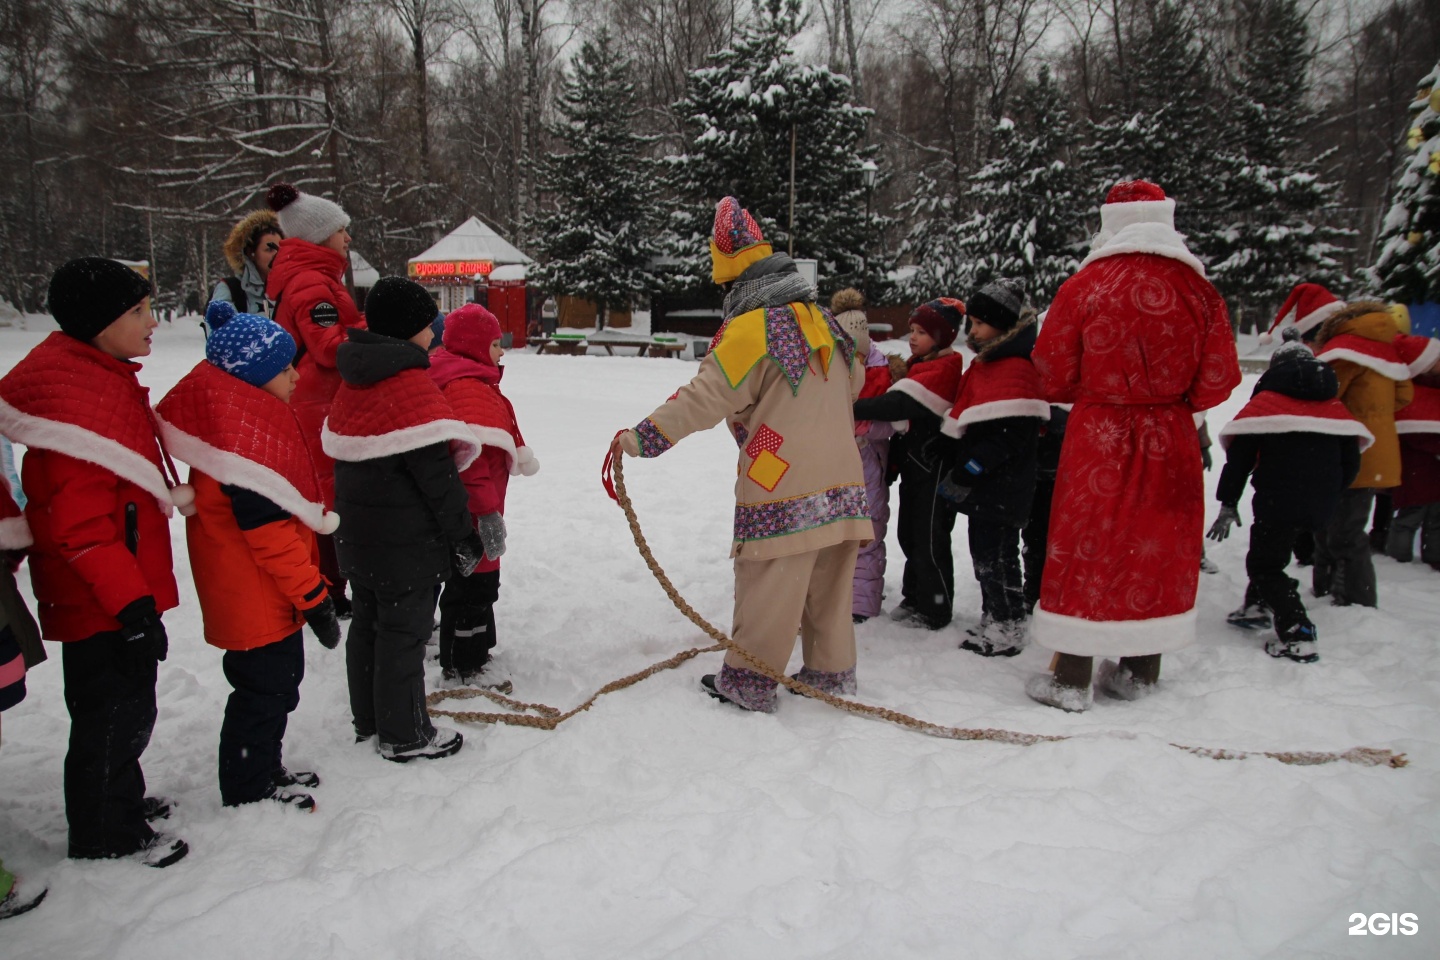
(567, 346)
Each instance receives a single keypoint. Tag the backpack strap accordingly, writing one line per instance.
(237, 295)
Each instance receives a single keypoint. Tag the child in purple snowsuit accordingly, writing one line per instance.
(873, 438)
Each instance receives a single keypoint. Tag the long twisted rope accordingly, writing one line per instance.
(544, 717)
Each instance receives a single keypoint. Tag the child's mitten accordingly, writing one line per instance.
(468, 553)
(1220, 529)
(491, 527)
(324, 623)
(141, 627)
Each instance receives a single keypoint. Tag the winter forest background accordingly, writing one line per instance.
(964, 138)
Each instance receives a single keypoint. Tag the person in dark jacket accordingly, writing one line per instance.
(926, 522)
(1035, 535)
(996, 420)
(1303, 448)
(405, 525)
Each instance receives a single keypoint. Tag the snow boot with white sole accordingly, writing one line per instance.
(443, 743)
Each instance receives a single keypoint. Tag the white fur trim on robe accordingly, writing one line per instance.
(1142, 226)
(1112, 638)
(1392, 369)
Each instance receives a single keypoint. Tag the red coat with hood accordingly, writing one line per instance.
(471, 383)
(307, 284)
(99, 499)
(1139, 341)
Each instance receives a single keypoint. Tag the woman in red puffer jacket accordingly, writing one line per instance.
(306, 283)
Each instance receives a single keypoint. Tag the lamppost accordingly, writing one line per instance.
(868, 172)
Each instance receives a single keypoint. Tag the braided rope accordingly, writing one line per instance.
(543, 717)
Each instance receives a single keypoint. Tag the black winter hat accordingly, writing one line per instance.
(399, 308)
(998, 304)
(89, 294)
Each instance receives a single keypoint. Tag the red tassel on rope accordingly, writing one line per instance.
(606, 476)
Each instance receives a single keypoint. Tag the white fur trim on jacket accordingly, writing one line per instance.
(1401, 426)
(1143, 226)
(82, 444)
(933, 402)
(1393, 369)
(994, 410)
(1112, 638)
(15, 534)
(1427, 358)
(354, 449)
(231, 468)
(1296, 423)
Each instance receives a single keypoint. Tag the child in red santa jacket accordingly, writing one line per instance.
(997, 416)
(467, 370)
(252, 541)
(99, 499)
(406, 527)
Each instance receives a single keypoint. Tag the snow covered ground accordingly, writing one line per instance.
(663, 824)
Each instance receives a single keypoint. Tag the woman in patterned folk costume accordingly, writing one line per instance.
(1139, 341)
(782, 374)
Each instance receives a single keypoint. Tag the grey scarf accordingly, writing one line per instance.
(772, 282)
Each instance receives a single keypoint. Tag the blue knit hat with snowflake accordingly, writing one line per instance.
(246, 345)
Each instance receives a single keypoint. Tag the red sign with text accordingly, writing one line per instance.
(451, 269)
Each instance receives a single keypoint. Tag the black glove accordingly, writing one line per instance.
(1220, 529)
(1205, 459)
(324, 623)
(952, 492)
(140, 627)
(491, 527)
(468, 553)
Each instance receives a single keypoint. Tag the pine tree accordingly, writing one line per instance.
(1162, 125)
(1265, 239)
(1027, 207)
(1408, 268)
(596, 241)
(740, 114)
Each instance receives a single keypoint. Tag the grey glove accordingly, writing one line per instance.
(491, 527)
(952, 492)
(1220, 529)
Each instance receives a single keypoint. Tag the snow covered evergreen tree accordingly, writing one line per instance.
(1408, 268)
(596, 240)
(1265, 238)
(740, 113)
(1027, 209)
(1163, 125)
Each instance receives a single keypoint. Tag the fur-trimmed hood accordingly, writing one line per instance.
(1018, 341)
(1370, 319)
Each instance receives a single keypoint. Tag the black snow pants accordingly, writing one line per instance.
(1270, 545)
(467, 623)
(385, 661)
(110, 692)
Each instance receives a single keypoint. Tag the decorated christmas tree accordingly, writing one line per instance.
(1027, 209)
(595, 240)
(744, 114)
(1408, 268)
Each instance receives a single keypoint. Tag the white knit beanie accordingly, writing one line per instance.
(305, 215)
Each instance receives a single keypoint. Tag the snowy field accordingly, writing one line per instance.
(663, 824)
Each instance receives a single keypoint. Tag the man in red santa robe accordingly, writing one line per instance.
(1139, 341)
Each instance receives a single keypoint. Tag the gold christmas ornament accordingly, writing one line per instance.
(1417, 137)
(1435, 163)
(1414, 237)
(1435, 100)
